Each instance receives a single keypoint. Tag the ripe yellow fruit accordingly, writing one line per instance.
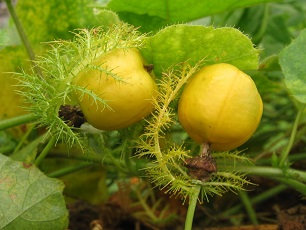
(129, 98)
(220, 106)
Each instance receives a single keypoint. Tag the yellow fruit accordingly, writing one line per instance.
(129, 99)
(220, 106)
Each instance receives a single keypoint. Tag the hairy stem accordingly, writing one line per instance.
(163, 112)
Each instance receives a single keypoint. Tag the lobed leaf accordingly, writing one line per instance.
(292, 61)
(180, 43)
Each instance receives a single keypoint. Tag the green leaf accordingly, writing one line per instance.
(277, 35)
(3, 37)
(173, 11)
(179, 43)
(48, 20)
(292, 61)
(29, 199)
(179, 10)
(107, 18)
(145, 23)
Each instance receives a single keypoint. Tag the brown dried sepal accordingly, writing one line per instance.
(72, 115)
(149, 68)
(201, 167)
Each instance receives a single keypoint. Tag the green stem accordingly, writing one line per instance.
(147, 209)
(15, 121)
(103, 160)
(68, 170)
(257, 199)
(45, 151)
(263, 26)
(285, 153)
(248, 207)
(94, 159)
(293, 178)
(7, 149)
(118, 164)
(294, 157)
(22, 35)
(24, 137)
(127, 156)
(273, 172)
(193, 199)
(297, 185)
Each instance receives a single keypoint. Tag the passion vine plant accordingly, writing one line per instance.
(100, 78)
(114, 90)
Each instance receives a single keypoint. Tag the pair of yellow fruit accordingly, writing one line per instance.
(220, 105)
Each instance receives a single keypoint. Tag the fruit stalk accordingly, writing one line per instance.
(193, 199)
(45, 151)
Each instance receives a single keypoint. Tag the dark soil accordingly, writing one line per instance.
(285, 211)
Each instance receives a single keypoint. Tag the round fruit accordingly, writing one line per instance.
(121, 80)
(220, 106)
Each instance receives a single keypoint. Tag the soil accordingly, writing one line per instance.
(285, 211)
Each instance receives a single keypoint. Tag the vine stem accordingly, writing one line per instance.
(297, 185)
(193, 199)
(285, 153)
(24, 138)
(263, 25)
(256, 200)
(293, 178)
(22, 35)
(45, 151)
(248, 207)
(273, 172)
(147, 209)
(70, 169)
(15, 121)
